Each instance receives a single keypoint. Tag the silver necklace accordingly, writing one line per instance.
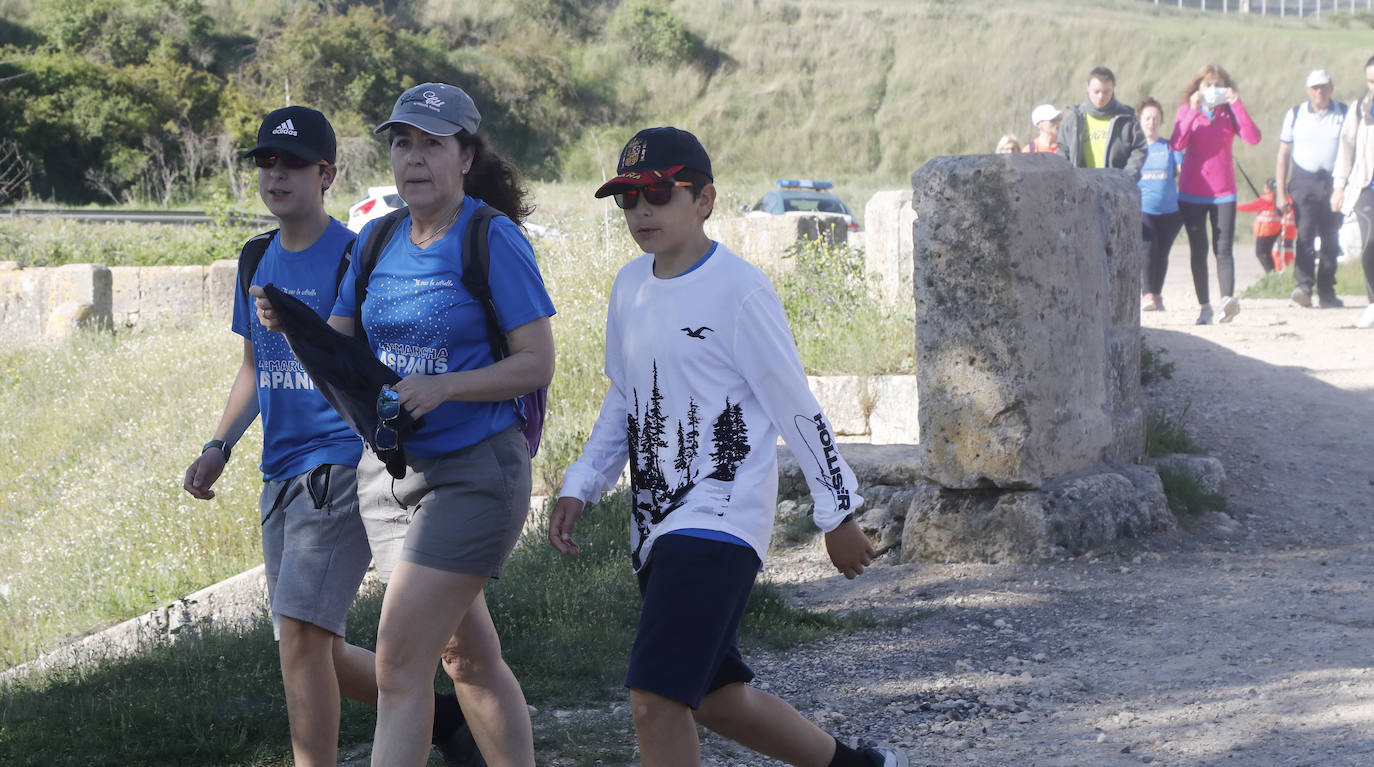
(442, 228)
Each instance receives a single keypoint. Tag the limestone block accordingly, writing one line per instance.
(872, 464)
(1010, 289)
(220, 286)
(764, 240)
(884, 513)
(1117, 204)
(124, 294)
(1066, 517)
(888, 218)
(1206, 471)
(844, 400)
(22, 292)
(171, 294)
(987, 525)
(893, 419)
(1124, 395)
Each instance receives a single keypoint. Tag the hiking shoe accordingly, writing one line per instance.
(1302, 297)
(884, 756)
(1230, 307)
(1205, 316)
(1150, 303)
(1366, 320)
(460, 750)
(1330, 302)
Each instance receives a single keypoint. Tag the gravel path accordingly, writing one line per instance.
(1243, 639)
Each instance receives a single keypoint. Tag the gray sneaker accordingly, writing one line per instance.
(1230, 307)
(885, 756)
(1205, 316)
(1302, 297)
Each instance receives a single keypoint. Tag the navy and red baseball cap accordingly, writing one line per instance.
(299, 131)
(655, 154)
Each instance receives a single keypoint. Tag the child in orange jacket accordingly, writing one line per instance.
(1275, 235)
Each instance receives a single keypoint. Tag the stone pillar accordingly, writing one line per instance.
(888, 217)
(764, 240)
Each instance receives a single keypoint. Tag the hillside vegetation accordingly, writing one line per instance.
(145, 99)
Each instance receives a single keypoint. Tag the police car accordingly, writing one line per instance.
(802, 196)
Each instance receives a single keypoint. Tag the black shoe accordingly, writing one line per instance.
(1301, 296)
(1329, 302)
(460, 750)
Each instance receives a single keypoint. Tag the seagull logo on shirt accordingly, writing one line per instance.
(698, 333)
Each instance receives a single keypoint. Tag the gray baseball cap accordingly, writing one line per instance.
(435, 108)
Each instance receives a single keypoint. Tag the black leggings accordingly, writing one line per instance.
(1264, 251)
(1223, 218)
(1159, 231)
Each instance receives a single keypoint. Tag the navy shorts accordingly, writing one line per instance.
(694, 592)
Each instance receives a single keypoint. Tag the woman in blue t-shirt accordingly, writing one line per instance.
(1160, 219)
(440, 532)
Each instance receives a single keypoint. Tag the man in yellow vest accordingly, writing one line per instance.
(1102, 132)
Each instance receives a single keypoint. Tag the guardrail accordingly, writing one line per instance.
(174, 217)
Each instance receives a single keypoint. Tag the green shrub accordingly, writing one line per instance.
(1349, 282)
(1165, 433)
(1153, 366)
(652, 32)
(1187, 499)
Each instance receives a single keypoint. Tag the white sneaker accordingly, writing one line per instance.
(1230, 307)
(890, 757)
(1366, 320)
(1204, 317)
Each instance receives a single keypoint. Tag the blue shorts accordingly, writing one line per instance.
(694, 592)
(314, 545)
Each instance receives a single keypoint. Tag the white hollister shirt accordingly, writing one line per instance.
(704, 375)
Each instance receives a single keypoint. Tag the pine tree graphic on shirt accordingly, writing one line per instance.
(646, 434)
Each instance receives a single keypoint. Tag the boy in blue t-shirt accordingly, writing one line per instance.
(697, 335)
(314, 544)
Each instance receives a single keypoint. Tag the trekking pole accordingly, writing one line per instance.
(1246, 176)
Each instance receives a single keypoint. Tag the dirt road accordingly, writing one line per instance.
(1243, 639)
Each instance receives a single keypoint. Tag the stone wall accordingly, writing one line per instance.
(888, 219)
(877, 409)
(49, 303)
(764, 240)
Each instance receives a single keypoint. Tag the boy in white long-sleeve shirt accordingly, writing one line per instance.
(704, 377)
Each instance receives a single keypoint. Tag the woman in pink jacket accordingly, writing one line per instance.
(1205, 125)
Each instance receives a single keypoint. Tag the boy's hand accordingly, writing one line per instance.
(202, 473)
(561, 521)
(266, 315)
(849, 549)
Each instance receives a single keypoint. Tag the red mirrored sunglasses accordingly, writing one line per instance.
(654, 194)
(292, 162)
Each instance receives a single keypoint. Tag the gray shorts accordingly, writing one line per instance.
(314, 545)
(461, 512)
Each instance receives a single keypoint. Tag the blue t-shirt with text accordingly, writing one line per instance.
(1159, 179)
(299, 428)
(421, 320)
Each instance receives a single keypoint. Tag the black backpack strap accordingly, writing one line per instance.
(249, 258)
(476, 269)
(343, 266)
(368, 253)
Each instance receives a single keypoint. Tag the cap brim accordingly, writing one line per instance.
(297, 150)
(636, 178)
(433, 125)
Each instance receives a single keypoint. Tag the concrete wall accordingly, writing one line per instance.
(44, 304)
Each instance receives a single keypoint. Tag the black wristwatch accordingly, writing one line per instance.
(219, 443)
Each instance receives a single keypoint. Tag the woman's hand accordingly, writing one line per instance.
(266, 314)
(1195, 100)
(422, 393)
(1231, 95)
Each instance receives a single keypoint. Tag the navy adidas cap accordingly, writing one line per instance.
(436, 108)
(655, 154)
(299, 131)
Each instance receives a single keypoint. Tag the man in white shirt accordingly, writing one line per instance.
(1309, 138)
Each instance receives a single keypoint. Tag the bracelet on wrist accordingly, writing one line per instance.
(219, 443)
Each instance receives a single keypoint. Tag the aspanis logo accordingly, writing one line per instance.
(432, 100)
(285, 129)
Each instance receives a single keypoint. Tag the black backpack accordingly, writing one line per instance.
(251, 255)
(476, 264)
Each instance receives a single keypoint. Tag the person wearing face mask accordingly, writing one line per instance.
(1205, 126)
(1102, 132)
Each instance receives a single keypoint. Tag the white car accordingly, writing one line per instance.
(379, 201)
